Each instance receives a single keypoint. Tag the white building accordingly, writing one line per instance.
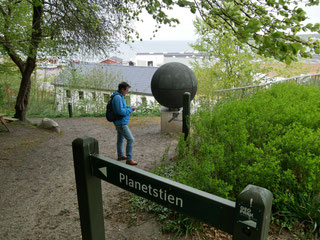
(89, 86)
(157, 59)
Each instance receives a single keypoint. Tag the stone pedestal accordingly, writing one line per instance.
(174, 126)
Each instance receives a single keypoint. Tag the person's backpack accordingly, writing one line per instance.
(110, 114)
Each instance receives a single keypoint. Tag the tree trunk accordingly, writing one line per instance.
(27, 68)
(24, 91)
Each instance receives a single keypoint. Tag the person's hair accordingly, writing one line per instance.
(123, 85)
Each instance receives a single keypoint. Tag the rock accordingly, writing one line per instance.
(47, 123)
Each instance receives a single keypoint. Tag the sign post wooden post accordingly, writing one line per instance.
(88, 189)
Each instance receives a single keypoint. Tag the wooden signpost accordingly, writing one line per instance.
(247, 218)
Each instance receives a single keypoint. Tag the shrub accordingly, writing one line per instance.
(270, 139)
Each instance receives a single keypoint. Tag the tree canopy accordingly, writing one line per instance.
(30, 29)
(64, 27)
(269, 27)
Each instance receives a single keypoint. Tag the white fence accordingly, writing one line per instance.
(236, 93)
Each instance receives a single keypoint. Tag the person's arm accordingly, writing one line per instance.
(118, 107)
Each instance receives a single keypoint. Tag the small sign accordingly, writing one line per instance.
(248, 215)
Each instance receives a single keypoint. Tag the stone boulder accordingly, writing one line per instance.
(49, 124)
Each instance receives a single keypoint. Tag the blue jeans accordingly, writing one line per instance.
(123, 132)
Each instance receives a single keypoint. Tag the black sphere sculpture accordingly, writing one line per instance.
(170, 82)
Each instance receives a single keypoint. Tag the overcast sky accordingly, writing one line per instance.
(185, 30)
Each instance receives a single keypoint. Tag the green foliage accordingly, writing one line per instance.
(41, 102)
(227, 63)
(269, 27)
(278, 69)
(9, 85)
(147, 108)
(270, 139)
(171, 221)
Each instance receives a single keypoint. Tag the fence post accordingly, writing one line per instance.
(70, 109)
(186, 114)
(88, 189)
(252, 214)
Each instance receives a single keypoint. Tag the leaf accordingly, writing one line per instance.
(253, 25)
(181, 3)
(288, 60)
(296, 47)
(168, 2)
(276, 34)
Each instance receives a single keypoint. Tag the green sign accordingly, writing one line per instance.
(204, 206)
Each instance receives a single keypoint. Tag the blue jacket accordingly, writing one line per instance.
(119, 106)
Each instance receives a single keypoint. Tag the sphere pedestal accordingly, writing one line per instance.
(170, 82)
(169, 125)
(168, 85)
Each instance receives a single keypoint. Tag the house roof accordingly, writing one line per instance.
(138, 77)
(113, 59)
(109, 61)
(175, 54)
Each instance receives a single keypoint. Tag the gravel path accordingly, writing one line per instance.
(38, 194)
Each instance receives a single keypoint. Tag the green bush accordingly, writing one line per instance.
(9, 85)
(145, 108)
(270, 139)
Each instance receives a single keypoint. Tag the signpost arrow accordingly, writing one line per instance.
(104, 171)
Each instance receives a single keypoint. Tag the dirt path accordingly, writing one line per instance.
(38, 194)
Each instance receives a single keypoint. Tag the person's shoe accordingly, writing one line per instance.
(122, 158)
(131, 162)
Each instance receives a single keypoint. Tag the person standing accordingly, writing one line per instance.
(120, 108)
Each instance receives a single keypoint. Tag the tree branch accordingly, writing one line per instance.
(243, 11)
(12, 54)
(3, 11)
(3, 41)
